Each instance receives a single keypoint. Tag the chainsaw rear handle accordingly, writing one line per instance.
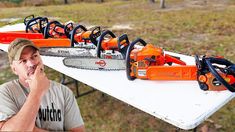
(101, 38)
(128, 59)
(27, 18)
(122, 47)
(221, 61)
(95, 33)
(31, 23)
(48, 27)
(74, 32)
(68, 29)
(42, 24)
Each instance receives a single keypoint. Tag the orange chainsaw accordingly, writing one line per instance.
(35, 24)
(215, 73)
(80, 36)
(110, 54)
(55, 29)
(109, 46)
(149, 63)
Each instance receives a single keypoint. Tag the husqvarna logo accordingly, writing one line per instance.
(101, 63)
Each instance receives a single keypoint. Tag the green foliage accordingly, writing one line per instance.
(13, 1)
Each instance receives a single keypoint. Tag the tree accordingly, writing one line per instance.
(99, 1)
(151, 1)
(65, 1)
(162, 4)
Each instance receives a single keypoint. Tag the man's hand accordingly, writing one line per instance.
(38, 82)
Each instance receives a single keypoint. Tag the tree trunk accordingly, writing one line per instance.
(152, 1)
(99, 1)
(162, 4)
(65, 1)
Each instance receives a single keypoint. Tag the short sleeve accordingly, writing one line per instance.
(73, 116)
(7, 105)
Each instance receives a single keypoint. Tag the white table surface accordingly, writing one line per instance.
(180, 103)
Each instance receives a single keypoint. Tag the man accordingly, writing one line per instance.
(32, 102)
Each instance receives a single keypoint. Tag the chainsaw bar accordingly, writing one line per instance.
(84, 45)
(66, 52)
(93, 63)
(8, 37)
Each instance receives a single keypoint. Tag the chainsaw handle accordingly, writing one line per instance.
(42, 24)
(128, 58)
(48, 27)
(74, 32)
(30, 23)
(198, 62)
(220, 61)
(67, 29)
(101, 38)
(216, 74)
(122, 47)
(95, 33)
(27, 18)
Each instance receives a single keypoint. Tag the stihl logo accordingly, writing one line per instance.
(102, 63)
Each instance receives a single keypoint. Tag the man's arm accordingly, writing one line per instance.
(24, 120)
(78, 129)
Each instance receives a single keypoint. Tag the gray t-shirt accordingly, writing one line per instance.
(58, 109)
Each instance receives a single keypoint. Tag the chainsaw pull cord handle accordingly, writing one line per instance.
(68, 29)
(74, 32)
(31, 23)
(122, 48)
(128, 59)
(48, 27)
(101, 38)
(95, 33)
(42, 24)
(221, 61)
(27, 18)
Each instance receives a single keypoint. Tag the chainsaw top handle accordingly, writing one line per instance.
(68, 29)
(95, 33)
(42, 24)
(101, 38)
(30, 23)
(49, 27)
(128, 59)
(220, 61)
(123, 43)
(74, 32)
(27, 18)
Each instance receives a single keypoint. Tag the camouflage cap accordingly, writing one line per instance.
(17, 46)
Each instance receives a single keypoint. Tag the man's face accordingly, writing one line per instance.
(29, 60)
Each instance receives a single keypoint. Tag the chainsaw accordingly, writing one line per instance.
(215, 73)
(110, 51)
(55, 29)
(82, 43)
(149, 63)
(34, 28)
(35, 25)
(80, 36)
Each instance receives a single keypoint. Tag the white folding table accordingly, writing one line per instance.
(180, 103)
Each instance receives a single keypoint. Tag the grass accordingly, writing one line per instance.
(182, 27)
